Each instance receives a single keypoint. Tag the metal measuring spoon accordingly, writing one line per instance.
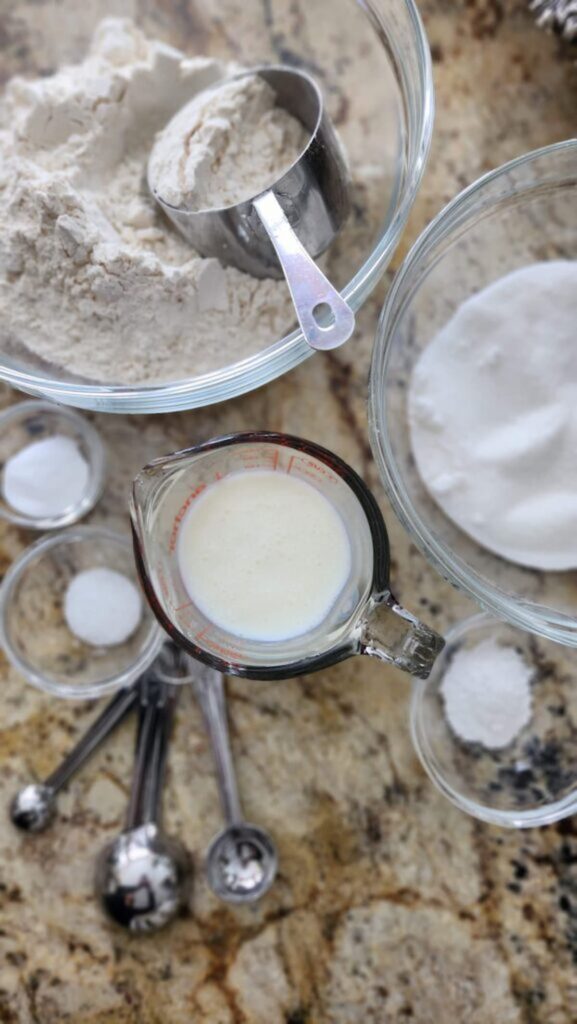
(34, 806)
(143, 876)
(295, 219)
(241, 861)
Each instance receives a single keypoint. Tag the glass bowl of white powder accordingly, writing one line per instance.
(73, 620)
(495, 725)
(52, 466)
(103, 305)
(473, 392)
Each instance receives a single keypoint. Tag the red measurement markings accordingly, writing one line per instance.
(257, 458)
(181, 514)
(164, 590)
(205, 640)
(308, 467)
(231, 653)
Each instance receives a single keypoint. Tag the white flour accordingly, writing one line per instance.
(225, 146)
(92, 278)
(487, 695)
(493, 416)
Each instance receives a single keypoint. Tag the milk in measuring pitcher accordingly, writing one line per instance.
(264, 555)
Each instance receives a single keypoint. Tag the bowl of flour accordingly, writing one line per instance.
(102, 304)
(474, 392)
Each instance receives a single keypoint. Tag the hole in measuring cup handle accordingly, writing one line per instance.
(396, 636)
(323, 315)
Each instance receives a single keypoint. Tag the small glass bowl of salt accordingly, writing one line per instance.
(52, 464)
(73, 619)
(495, 724)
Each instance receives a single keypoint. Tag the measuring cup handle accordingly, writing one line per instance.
(325, 318)
(392, 634)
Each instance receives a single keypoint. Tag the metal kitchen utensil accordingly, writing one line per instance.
(241, 861)
(143, 876)
(291, 222)
(558, 16)
(34, 806)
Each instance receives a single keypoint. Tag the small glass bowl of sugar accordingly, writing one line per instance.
(52, 465)
(495, 724)
(73, 619)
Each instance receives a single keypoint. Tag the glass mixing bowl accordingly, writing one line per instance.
(525, 211)
(530, 781)
(33, 627)
(372, 62)
(27, 422)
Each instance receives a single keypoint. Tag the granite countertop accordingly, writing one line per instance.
(391, 905)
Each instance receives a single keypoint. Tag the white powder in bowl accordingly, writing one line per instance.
(45, 478)
(487, 695)
(102, 607)
(93, 278)
(225, 146)
(493, 416)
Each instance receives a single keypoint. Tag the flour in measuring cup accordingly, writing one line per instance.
(264, 555)
(493, 416)
(228, 144)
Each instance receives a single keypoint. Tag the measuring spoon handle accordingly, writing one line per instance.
(327, 321)
(112, 715)
(209, 687)
(156, 770)
(152, 694)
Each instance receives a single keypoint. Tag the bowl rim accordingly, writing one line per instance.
(287, 353)
(449, 566)
(151, 645)
(535, 817)
(96, 465)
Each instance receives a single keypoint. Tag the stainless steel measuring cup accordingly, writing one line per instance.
(365, 619)
(278, 231)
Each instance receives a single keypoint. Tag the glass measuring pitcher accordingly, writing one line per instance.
(365, 617)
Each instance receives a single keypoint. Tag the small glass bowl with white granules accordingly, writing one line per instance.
(52, 465)
(495, 725)
(73, 619)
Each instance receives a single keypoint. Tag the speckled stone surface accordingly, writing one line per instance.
(390, 904)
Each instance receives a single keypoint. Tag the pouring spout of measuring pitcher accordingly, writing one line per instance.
(392, 634)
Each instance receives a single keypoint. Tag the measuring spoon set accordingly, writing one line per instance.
(143, 876)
